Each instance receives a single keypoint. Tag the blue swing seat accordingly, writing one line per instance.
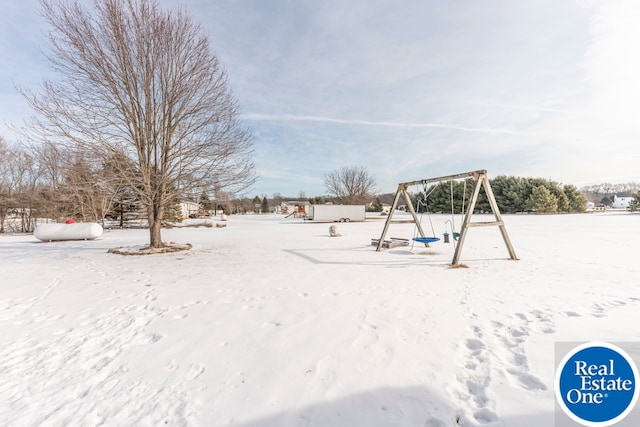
(426, 239)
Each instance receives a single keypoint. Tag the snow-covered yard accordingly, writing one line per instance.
(270, 322)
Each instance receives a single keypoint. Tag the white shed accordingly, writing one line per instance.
(188, 207)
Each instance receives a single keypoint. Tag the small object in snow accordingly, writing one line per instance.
(69, 221)
(220, 225)
(392, 243)
(333, 231)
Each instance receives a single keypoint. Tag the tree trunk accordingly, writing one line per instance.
(155, 241)
(156, 213)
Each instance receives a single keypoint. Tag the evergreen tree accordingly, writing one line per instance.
(561, 197)
(542, 201)
(205, 203)
(510, 193)
(173, 211)
(265, 205)
(634, 206)
(318, 200)
(126, 206)
(438, 198)
(577, 200)
(257, 202)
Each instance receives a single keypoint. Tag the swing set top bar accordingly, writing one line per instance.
(445, 178)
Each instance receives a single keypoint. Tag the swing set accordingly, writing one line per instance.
(481, 180)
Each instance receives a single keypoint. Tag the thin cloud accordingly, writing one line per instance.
(530, 108)
(404, 125)
(289, 117)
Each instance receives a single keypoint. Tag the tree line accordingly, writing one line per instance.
(513, 195)
(44, 182)
(351, 185)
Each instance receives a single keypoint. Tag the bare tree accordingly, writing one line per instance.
(6, 183)
(140, 83)
(89, 190)
(351, 185)
(18, 180)
(71, 185)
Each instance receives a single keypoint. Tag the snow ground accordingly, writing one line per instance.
(270, 322)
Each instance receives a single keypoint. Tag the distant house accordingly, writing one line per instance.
(621, 202)
(188, 207)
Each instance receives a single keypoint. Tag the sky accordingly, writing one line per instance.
(408, 89)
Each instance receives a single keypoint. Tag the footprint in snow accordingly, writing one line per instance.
(434, 422)
(513, 338)
(474, 344)
(195, 370)
(528, 381)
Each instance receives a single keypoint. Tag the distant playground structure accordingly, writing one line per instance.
(480, 181)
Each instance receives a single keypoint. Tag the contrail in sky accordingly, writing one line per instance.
(292, 118)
